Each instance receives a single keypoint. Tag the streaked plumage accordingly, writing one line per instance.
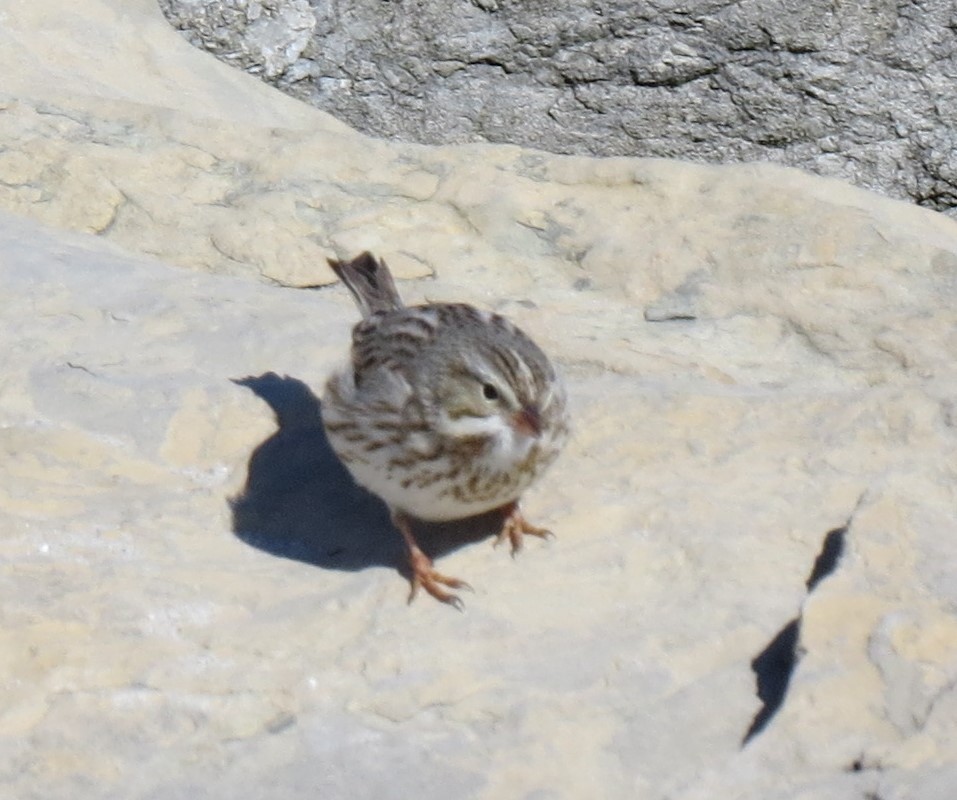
(444, 411)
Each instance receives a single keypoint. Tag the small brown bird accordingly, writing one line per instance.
(444, 411)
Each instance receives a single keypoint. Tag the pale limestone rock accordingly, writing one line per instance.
(755, 358)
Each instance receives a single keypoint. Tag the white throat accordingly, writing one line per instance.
(508, 445)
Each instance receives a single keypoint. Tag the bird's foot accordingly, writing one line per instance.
(515, 526)
(423, 573)
(426, 576)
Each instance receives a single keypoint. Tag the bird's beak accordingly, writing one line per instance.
(527, 421)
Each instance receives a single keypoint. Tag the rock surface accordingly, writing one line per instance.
(861, 91)
(752, 590)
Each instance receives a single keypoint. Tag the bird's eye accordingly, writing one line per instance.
(489, 392)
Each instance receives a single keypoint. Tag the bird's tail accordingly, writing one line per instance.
(370, 282)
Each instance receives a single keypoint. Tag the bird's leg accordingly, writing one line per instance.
(423, 573)
(515, 526)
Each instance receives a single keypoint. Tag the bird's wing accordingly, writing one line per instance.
(392, 340)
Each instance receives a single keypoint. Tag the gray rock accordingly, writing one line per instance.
(861, 91)
(263, 36)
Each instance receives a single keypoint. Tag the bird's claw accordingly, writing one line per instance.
(425, 575)
(515, 527)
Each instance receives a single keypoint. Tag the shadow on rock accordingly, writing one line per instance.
(299, 502)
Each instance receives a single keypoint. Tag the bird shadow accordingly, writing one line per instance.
(300, 502)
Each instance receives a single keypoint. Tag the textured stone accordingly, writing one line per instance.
(861, 91)
(751, 593)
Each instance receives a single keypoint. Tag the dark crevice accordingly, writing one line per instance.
(774, 665)
(827, 559)
(772, 670)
